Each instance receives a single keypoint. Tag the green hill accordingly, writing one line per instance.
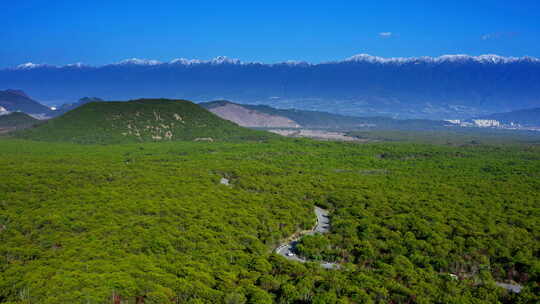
(144, 120)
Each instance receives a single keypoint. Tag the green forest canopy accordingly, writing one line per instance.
(150, 223)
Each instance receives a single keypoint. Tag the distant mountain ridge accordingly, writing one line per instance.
(70, 106)
(486, 59)
(446, 87)
(18, 101)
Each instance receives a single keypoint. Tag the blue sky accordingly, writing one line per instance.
(100, 32)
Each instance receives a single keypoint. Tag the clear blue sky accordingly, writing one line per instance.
(100, 32)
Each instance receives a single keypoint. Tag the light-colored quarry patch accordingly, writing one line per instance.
(250, 118)
(316, 134)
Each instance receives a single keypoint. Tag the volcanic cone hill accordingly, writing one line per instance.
(143, 120)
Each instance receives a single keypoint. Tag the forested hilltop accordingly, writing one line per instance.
(151, 222)
(142, 120)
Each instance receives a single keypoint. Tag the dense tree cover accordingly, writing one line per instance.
(143, 120)
(151, 223)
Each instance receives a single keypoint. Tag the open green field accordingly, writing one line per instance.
(151, 223)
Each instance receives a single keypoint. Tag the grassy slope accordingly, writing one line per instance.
(139, 121)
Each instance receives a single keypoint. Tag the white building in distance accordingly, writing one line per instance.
(486, 123)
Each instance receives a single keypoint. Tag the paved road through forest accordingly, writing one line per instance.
(288, 251)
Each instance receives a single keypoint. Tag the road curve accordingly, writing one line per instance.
(515, 288)
(287, 250)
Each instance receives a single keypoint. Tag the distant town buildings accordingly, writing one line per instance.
(486, 123)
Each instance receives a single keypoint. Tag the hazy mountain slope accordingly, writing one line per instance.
(316, 119)
(528, 117)
(139, 121)
(425, 87)
(16, 120)
(70, 106)
(247, 117)
(16, 100)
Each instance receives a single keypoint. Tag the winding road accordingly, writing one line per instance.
(287, 250)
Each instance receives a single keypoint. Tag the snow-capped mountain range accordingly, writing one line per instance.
(366, 58)
(445, 87)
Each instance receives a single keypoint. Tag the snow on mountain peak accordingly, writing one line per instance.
(217, 60)
(360, 58)
(184, 61)
(76, 65)
(377, 59)
(137, 61)
(29, 65)
(224, 59)
(489, 58)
